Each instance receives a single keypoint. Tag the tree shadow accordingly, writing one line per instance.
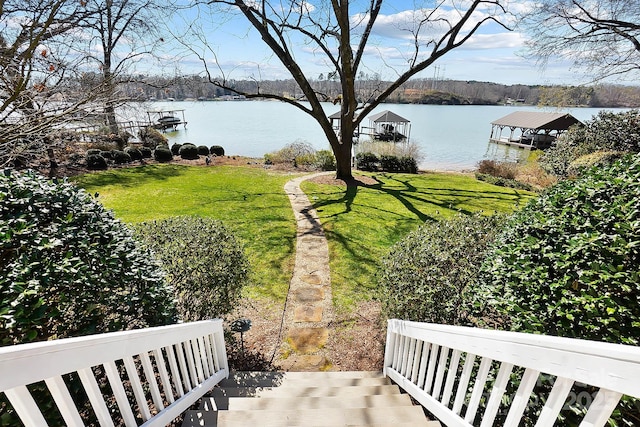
(131, 176)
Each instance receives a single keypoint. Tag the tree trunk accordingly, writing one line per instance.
(343, 157)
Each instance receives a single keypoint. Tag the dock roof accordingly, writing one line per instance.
(537, 120)
(387, 116)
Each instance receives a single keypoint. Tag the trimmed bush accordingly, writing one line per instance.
(107, 154)
(203, 150)
(175, 149)
(120, 157)
(389, 163)
(425, 275)
(408, 165)
(68, 267)
(568, 264)
(93, 151)
(146, 152)
(204, 263)
(162, 154)
(188, 152)
(216, 150)
(96, 162)
(134, 153)
(367, 161)
(325, 160)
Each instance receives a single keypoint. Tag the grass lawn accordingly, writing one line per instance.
(362, 223)
(250, 201)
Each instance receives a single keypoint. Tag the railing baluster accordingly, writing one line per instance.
(461, 392)
(601, 408)
(184, 371)
(95, 397)
(66, 406)
(397, 351)
(451, 377)
(403, 355)
(197, 362)
(175, 370)
(164, 375)
(25, 406)
(221, 350)
(389, 349)
(555, 402)
(151, 381)
(416, 361)
(424, 360)
(188, 350)
(433, 358)
(209, 351)
(203, 358)
(442, 365)
(136, 385)
(408, 365)
(115, 381)
(478, 389)
(499, 388)
(522, 397)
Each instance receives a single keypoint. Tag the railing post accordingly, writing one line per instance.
(389, 346)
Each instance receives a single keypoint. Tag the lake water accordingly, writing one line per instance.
(450, 137)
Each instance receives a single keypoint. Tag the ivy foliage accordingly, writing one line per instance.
(68, 267)
(607, 132)
(568, 264)
(424, 276)
(203, 261)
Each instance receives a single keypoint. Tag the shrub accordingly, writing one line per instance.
(134, 153)
(325, 160)
(408, 165)
(389, 163)
(68, 267)
(216, 150)
(505, 170)
(298, 152)
(568, 263)
(146, 152)
(107, 154)
(504, 182)
(203, 150)
(175, 149)
(598, 158)
(93, 151)
(367, 161)
(189, 152)
(151, 137)
(424, 276)
(203, 261)
(96, 162)
(162, 154)
(120, 157)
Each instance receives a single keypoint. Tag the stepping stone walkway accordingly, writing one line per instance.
(309, 309)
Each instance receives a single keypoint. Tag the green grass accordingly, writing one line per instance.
(251, 202)
(362, 223)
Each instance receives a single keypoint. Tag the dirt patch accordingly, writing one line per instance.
(357, 181)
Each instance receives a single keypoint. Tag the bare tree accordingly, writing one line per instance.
(37, 89)
(343, 38)
(602, 37)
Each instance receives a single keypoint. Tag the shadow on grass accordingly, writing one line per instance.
(132, 176)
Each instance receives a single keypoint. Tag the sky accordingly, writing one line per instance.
(493, 54)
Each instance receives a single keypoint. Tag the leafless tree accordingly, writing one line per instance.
(343, 33)
(601, 37)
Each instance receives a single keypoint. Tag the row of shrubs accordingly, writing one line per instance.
(386, 163)
(100, 159)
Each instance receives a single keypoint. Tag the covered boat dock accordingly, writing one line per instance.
(531, 129)
(389, 126)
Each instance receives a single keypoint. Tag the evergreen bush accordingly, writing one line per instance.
(188, 151)
(108, 155)
(424, 276)
(120, 157)
(203, 150)
(367, 161)
(162, 154)
(93, 151)
(175, 149)
(325, 160)
(134, 153)
(96, 162)
(68, 267)
(203, 261)
(146, 152)
(216, 150)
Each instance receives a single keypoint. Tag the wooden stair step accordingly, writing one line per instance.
(283, 381)
(299, 403)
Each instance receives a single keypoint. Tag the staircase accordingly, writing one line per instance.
(270, 399)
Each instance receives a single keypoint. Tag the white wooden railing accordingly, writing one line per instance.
(468, 376)
(167, 369)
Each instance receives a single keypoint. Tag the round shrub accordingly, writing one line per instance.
(189, 152)
(204, 263)
(203, 150)
(367, 161)
(216, 150)
(107, 154)
(68, 267)
(146, 152)
(175, 149)
(325, 160)
(120, 157)
(96, 162)
(568, 264)
(162, 154)
(93, 151)
(134, 153)
(425, 275)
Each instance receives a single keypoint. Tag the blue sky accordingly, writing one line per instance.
(494, 54)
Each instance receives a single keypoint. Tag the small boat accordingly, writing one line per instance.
(168, 122)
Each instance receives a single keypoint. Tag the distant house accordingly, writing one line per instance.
(531, 129)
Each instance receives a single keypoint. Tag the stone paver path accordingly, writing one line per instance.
(309, 309)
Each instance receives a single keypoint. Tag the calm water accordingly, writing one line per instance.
(450, 137)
